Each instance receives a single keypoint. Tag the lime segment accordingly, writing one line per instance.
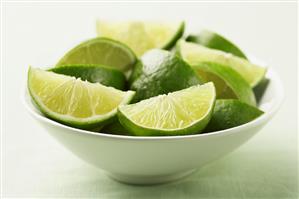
(142, 36)
(105, 75)
(179, 113)
(229, 84)
(231, 113)
(100, 51)
(74, 102)
(213, 40)
(195, 53)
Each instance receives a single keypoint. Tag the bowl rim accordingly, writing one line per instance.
(271, 74)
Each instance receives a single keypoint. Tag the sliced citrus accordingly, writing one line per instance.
(195, 53)
(183, 112)
(142, 36)
(230, 113)
(102, 51)
(229, 84)
(105, 75)
(74, 102)
(214, 40)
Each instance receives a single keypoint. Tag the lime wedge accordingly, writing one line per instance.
(75, 102)
(161, 72)
(142, 36)
(100, 51)
(229, 84)
(195, 53)
(105, 75)
(179, 113)
(213, 40)
(115, 128)
(231, 113)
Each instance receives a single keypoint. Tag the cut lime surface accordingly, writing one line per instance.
(142, 36)
(179, 113)
(195, 53)
(213, 40)
(231, 113)
(229, 84)
(74, 102)
(105, 75)
(100, 51)
(161, 72)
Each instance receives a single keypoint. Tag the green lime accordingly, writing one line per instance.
(115, 128)
(75, 102)
(229, 84)
(195, 53)
(100, 51)
(105, 75)
(213, 40)
(260, 89)
(183, 112)
(230, 113)
(161, 72)
(142, 36)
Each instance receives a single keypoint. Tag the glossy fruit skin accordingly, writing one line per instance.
(233, 79)
(213, 40)
(161, 72)
(230, 113)
(176, 37)
(105, 75)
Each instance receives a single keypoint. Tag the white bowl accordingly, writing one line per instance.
(150, 160)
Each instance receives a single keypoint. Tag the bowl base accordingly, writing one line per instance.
(149, 180)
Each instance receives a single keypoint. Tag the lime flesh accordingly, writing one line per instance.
(179, 113)
(105, 75)
(100, 51)
(74, 102)
(142, 36)
(195, 53)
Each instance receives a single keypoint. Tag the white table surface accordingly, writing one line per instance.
(35, 165)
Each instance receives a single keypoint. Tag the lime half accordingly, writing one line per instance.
(182, 112)
(142, 36)
(213, 40)
(105, 75)
(231, 113)
(75, 102)
(195, 53)
(229, 84)
(100, 51)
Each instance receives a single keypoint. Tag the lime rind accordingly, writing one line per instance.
(229, 113)
(82, 123)
(106, 75)
(195, 53)
(124, 66)
(216, 41)
(232, 78)
(195, 127)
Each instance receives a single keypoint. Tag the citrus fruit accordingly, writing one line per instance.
(161, 72)
(213, 40)
(100, 51)
(179, 113)
(229, 84)
(115, 128)
(195, 53)
(74, 102)
(105, 75)
(142, 36)
(229, 113)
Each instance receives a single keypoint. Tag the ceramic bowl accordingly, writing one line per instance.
(150, 160)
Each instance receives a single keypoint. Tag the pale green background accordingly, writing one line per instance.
(35, 165)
